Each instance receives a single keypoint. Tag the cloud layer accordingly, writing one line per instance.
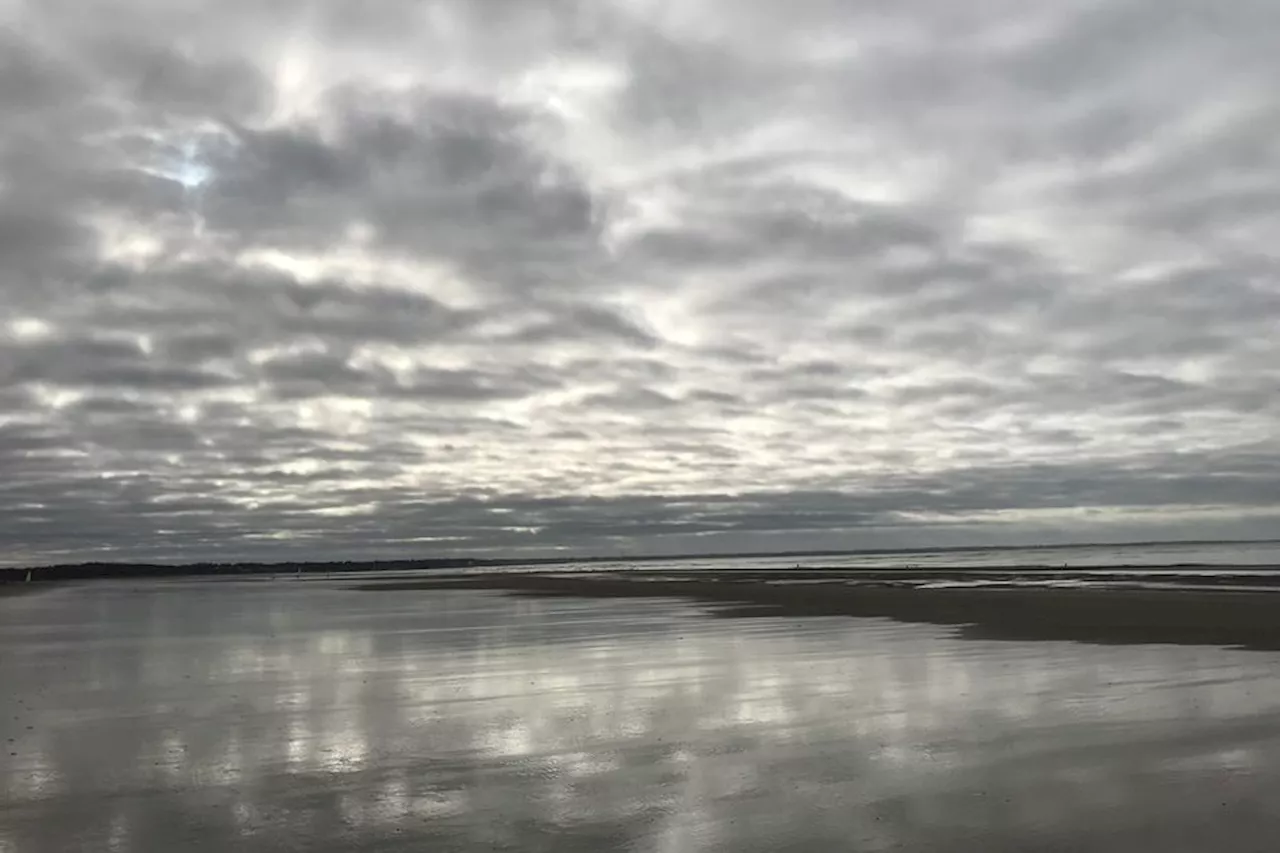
(293, 279)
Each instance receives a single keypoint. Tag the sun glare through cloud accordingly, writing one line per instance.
(642, 275)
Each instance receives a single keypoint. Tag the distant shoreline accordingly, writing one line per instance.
(1194, 608)
(130, 569)
(55, 574)
(1108, 616)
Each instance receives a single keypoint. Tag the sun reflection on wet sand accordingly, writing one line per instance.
(203, 715)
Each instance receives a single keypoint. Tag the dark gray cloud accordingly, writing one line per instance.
(286, 280)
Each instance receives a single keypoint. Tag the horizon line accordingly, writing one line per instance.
(447, 561)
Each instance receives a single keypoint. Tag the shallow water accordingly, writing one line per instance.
(297, 715)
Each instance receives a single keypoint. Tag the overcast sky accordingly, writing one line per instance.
(404, 278)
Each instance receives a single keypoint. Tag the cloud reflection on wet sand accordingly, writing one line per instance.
(255, 716)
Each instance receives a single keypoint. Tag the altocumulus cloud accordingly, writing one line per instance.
(320, 279)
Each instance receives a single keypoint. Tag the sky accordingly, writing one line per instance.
(325, 280)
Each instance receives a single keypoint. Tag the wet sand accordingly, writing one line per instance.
(302, 715)
(13, 589)
(1127, 615)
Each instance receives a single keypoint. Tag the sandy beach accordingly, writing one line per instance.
(1194, 616)
(18, 588)
(589, 714)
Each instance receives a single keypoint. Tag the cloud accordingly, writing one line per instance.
(564, 277)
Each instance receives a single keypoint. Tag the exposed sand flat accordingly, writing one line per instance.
(1127, 615)
(259, 715)
(13, 589)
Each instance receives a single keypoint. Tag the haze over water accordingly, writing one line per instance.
(270, 715)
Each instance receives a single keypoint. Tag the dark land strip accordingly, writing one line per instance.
(1206, 616)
